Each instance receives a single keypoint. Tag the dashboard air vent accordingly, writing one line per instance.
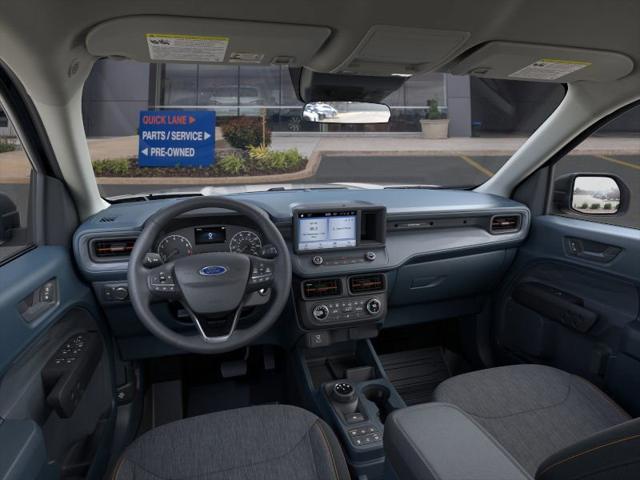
(321, 288)
(505, 223)
(366, 283)
(112, 247)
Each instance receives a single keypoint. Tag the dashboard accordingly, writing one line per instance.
(358, 256)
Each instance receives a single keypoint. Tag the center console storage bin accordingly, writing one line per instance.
(439, 441)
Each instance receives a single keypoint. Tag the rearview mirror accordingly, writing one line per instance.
(346, 112)
(595, 195)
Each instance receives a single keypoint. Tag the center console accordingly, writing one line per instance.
(351, 391)
(341, 297)
(332, 241)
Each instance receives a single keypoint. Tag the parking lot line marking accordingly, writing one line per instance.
(619, 162)
(476, 165)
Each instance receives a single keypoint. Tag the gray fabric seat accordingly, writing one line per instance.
(263, 442)
(533, 411)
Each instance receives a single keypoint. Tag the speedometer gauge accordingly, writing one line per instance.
(245, 242)
(174, 246)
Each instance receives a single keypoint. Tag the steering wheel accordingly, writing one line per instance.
(212, 287)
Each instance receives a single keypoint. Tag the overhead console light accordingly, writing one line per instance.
(389, 50)
(542, 63)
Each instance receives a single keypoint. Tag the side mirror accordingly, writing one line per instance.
(346, 112)
(591, 194)
(595, 195)
(9, 218)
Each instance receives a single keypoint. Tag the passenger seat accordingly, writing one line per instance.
(514, 422)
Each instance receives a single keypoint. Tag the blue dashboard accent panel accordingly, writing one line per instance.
(128, 219)
(280, 203)
(18, 279)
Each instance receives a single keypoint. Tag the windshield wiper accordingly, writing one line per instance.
(146, 197)
(285, 189)
(430, 187)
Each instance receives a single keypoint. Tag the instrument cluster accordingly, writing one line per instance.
(208, 238)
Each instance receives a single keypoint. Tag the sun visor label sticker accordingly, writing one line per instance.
(186, 48)
(549, 69)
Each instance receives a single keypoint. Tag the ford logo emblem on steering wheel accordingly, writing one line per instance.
(213, 270)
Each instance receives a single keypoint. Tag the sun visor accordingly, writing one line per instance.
(184, 39)
(542, 63)
(313, 86)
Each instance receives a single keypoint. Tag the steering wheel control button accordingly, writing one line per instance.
(320, 312)
(261, 273)
(370, 256)
(317, 260)
(162, 282)
(373, 306)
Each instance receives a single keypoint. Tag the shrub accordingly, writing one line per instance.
(584, 206)
(259, 153)
(433, 112)
(277, 161)
(608, 206)
(6, 147)
(232, 164)
(117, 167)
(594, 206)
(244, 132)
(293, 159)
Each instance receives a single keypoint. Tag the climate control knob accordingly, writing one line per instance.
(373, 306)
(320, 312)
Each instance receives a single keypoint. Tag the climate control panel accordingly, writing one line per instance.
(332, 302)
(347, 309)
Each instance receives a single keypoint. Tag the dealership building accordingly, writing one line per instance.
(118, 90)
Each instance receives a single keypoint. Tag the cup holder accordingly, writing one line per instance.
(379, 395)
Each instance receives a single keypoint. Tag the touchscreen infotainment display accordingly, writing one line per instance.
(322, 230)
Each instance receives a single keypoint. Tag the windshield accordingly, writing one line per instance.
(184, 127)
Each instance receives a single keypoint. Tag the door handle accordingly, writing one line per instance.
(590, 250)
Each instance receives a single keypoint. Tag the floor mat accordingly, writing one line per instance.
(416, 373)
(225, 395)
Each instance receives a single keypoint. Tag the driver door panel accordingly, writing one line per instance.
(56, 391)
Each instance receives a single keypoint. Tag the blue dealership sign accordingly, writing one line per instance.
(176, 138)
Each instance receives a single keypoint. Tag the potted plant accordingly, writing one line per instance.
(436, 125)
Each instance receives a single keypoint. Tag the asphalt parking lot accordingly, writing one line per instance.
(449, 170)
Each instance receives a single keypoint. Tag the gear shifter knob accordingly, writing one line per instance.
(343, 392)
